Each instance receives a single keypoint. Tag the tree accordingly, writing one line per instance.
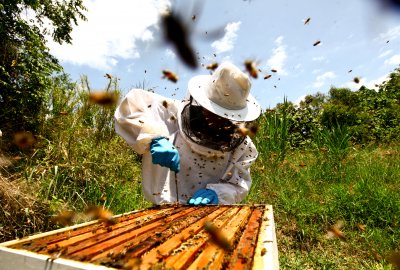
(26, 66)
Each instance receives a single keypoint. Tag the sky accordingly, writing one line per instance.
(358, 38)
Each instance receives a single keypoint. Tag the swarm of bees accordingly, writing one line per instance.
(169, 75)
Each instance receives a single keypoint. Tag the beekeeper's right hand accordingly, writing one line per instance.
(165, 154)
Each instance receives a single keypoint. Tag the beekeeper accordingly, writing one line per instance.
(192, 150)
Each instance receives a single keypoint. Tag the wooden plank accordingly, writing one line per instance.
(212, 256)
(242, 257)
(16, 259)
(174, 242)
(183, 258)
(53, 233)
(266, 254)
(130, 238)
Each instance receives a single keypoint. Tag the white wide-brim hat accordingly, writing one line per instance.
(226, 93)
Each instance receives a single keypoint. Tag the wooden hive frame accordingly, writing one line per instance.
(162, 237)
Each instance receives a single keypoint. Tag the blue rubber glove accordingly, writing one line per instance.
(204, 196)
(165, 154)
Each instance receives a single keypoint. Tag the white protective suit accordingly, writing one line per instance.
(143, 115)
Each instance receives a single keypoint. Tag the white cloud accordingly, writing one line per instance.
(321, 79)
(110, 33)
(225, 44)
(277, 60)
(169, 53)
(391, 34)
(385, 53)
(318, 59)
(394, 60)
(372, 84)
(299, 99)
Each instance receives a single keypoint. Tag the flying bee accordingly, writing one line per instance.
(212, 66)
(349, 71)
(99, 212)
(24, 139)
(176, 33)
(249, 129)
(103, 98)
(65, 218)
(251, 68)
(316, 43)
(335, 232)
(266, 77)
(356, 80)
(217, 236)
(108, 76)
(307, 21)
(274, 70)
(169, 75)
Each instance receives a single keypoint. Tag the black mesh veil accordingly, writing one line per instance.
(208, 129)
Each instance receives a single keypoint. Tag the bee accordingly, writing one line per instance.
(356, 80)
(307, 21)
(302, 164)
(193, 17)
(65, 218)
(247, 129)
(316, 43)
(24, 139)
(169, 75)
(349, 71)
(335, 232)
(263, 251)
(108, 76)
(103, 98)
(361, 227)
(212, 66)
(251, 68)
(176, 33)
(274, 70)
(217, 236)
(99, 212)
(266, 77)
(165, 104)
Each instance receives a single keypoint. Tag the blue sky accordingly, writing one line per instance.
(124, 39)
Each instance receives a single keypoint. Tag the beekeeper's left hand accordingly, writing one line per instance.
(204, 196)
(165, 154)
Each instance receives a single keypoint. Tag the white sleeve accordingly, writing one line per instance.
(236, 182)
(139, 118)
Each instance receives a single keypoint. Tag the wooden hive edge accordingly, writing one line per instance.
(266, 253)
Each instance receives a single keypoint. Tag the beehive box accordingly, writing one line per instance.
(162, 237)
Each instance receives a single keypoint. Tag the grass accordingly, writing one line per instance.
(309, 193)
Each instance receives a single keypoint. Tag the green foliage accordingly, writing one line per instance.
(26, 65)
(307, 199)
(272, 137)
